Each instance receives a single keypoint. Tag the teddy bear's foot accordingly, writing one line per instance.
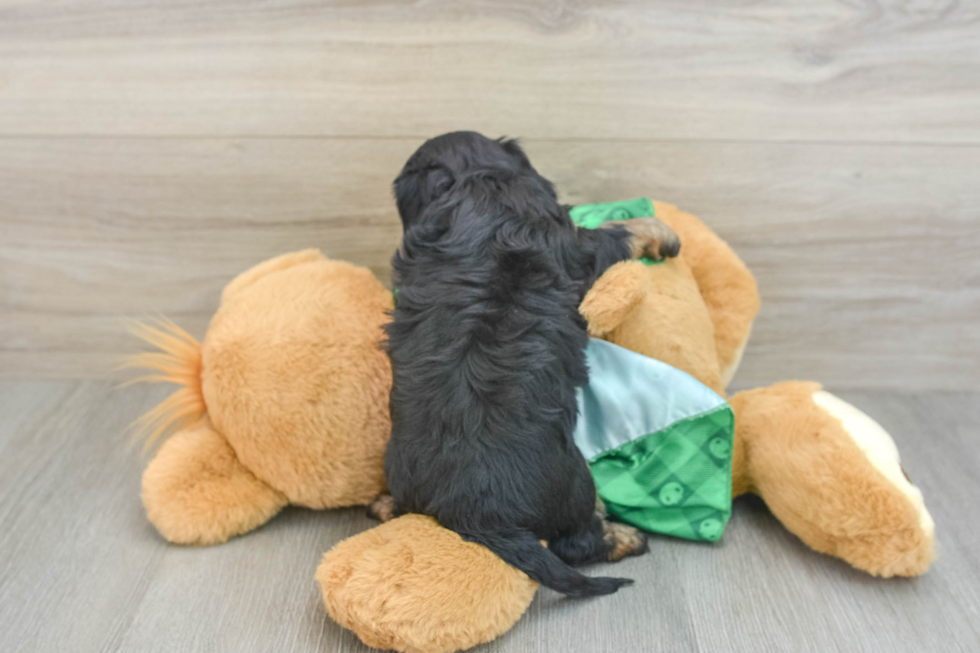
(412, 585)
(197, 492)
(832, 476)
(626, 541)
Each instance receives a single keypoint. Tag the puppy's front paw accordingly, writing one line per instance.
(626, 541)
(653, 239)
(669, 247)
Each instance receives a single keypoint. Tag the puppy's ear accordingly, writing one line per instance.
(612, 297)
(408, 197)
(415, 190)
(513, 147)
(514, 150)
(438, 181)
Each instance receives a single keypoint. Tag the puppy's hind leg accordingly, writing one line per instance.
(626, 540)
(382, 508)
(600, 506)
(604, 541)
(583, 547)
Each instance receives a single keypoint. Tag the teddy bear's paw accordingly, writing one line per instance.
(414, 586)
(625, 541)
(895, 542)
(196, 491)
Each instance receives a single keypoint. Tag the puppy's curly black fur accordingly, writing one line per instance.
(487, 348)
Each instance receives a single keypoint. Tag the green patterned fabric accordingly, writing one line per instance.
(677, 481)
(658, 441)
(590, 216)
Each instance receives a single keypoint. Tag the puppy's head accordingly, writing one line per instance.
(444, 161)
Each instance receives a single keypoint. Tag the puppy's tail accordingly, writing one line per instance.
(519, 548)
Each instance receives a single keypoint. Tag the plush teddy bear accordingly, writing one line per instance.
(828, 472)
(285, 401)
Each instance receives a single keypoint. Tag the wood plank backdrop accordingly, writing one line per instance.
(151, 151)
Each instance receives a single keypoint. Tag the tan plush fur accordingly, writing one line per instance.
(294, 377)
(797, 456)
(267, 268)
(177, 360)
(668, 321)
(727, 286)
(411, 585)
(295, 387)
(196, 492)
(819, 484)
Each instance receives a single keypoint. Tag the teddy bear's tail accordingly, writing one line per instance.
(177, 360)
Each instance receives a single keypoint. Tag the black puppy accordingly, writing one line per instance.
(487, 348)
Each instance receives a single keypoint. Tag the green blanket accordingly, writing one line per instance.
(659, 442)
(591, 216)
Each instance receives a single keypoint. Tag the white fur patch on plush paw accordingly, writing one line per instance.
(879, 448)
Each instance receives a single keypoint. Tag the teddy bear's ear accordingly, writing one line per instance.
(613, 297)
(265, 268)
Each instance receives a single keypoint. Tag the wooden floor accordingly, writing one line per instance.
(82, 570)
(151, 150)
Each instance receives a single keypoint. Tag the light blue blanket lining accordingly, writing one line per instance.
(630, 395)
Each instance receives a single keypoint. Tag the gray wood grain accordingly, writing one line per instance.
(868, 256)
(883, 70)
(82, 570)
